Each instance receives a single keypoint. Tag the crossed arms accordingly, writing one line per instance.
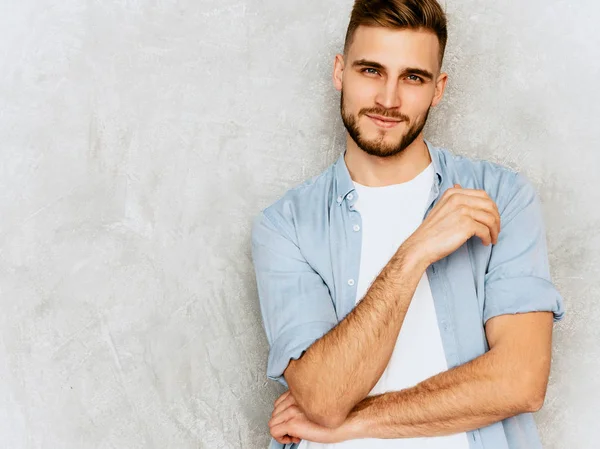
(508, 380)
(329, 382)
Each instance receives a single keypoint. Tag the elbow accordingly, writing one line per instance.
(322, 414)
(533, 394)
(329, 420)
(320, 411)
(535, 401)
(318, 407)
(536, 406)
(522, 395)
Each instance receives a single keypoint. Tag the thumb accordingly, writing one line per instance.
(458, 185)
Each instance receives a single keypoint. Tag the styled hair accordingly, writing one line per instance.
(399, 14)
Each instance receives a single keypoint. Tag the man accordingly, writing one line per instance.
(405, 291)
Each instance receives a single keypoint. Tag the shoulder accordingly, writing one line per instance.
(473, 172)
(506, 186)
(304, 202)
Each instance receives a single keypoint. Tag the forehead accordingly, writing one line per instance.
(396, 48)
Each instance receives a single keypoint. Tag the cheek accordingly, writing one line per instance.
(359, 94)
(416, 100)
(420, 98)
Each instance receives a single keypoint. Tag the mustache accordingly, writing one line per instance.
(384, 113)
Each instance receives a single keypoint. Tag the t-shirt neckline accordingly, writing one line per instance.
(403, 185)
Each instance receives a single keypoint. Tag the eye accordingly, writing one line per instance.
(370, 68)
(415, 78)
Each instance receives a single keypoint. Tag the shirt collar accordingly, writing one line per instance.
(344, 184)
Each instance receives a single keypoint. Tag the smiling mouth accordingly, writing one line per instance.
(384, 122)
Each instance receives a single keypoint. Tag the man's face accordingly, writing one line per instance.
(392, 74)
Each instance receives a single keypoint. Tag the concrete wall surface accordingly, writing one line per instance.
(138, 140)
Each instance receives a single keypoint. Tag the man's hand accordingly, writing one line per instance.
(289, 424)
(459, 215)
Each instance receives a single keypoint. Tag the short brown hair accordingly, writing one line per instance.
(399, 14)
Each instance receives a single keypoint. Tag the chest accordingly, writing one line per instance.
(456, 281)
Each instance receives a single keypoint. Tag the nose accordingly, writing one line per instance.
(388, 96)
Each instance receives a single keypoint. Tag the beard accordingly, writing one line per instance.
(377, 147)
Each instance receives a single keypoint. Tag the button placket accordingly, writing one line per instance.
(354, 247)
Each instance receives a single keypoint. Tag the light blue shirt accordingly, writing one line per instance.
(306, 253)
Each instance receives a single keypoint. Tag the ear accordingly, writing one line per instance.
(440, 87)
(338, 71)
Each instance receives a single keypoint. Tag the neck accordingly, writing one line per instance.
(375, 171)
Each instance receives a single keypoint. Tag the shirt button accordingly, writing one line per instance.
(350, 281)
(356, 228)
(350, 196)
(339, 199)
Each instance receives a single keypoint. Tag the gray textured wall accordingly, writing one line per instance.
(139, 138)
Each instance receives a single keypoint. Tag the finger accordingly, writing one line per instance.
(281, 398)
(287, 402)
(285, 439)
(474, 209)
(481, 231)
(458, 189)
(279, 432)
(474, 202)
(457, 197)
(285, 415)
(464, 191)
(488, 219)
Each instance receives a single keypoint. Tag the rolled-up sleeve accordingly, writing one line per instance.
(518, 276)
(295, 303)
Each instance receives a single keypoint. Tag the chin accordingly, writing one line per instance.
(388, 135)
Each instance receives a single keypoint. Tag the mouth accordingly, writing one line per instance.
(384, 122)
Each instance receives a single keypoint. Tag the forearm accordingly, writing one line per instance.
(467, 397)
(342, 367)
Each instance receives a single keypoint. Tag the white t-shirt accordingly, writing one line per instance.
(389, 215)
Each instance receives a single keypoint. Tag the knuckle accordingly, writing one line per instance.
(454, 199)
(450, 192)
(465, 221)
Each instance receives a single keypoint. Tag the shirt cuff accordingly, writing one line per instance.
(291, 344)
(521, 295)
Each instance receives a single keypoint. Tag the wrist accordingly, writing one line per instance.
(353, 428)
(413, 256)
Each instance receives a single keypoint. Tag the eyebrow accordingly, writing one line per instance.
(408, 70)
